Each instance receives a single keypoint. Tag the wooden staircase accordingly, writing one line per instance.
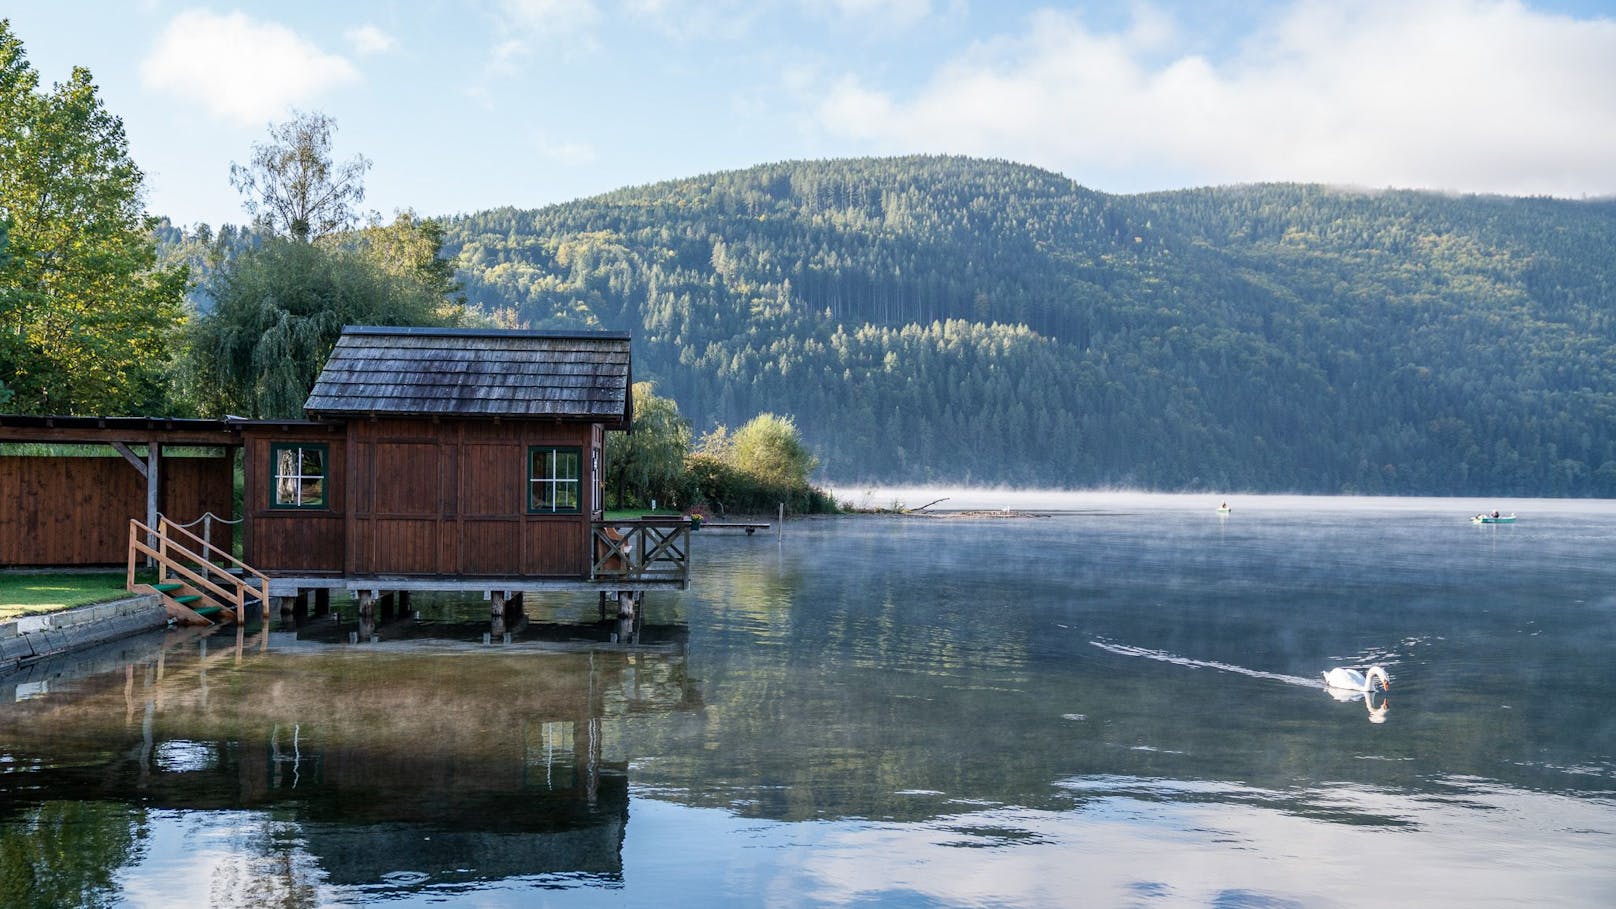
(196, 588)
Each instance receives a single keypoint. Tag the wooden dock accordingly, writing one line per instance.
(733, 525)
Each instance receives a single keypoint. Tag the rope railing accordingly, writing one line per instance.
(206, 520)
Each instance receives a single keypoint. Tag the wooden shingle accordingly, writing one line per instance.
(476, 373)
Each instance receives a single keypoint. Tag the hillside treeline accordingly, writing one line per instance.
(936, 319)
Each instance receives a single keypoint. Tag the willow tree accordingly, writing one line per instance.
(279, 307)
(86, 313)
(278, 311)
(649, 462)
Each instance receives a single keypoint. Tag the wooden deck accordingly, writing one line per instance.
(629, 556)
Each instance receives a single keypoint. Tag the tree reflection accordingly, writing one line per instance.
(66, 853)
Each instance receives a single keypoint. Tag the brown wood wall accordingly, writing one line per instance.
(75, 511)
(302, 541)
(450, 498)
(423, 497)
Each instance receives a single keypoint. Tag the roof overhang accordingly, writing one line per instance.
(106, 430)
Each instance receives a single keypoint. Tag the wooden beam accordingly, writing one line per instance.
(91, 435)
(130, 456)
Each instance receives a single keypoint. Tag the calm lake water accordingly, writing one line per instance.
(1113, 704)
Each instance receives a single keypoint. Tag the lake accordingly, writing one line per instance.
(1062, 699)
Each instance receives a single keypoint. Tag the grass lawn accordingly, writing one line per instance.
(31, 594)
(633, 514)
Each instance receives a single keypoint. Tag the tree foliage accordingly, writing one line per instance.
(277, 298)
(768, 448)
(278, 311)
(951, 320)
(294, 188)
(86, 315)
(649, 463)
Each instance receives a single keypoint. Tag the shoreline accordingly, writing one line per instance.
(29, 639)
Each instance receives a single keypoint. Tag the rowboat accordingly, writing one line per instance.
(1489, 519)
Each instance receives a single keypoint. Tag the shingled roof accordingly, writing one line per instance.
(464, 372)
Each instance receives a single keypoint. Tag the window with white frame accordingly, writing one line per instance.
(298, 475)
(554, 480)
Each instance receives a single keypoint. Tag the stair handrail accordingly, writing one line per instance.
(165, 522)
(164, 555)
(169, 567)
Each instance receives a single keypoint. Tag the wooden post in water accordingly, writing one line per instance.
(496, 615)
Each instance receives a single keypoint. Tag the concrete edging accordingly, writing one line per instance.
(31, 638)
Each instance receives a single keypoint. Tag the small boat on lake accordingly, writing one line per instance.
(1493, 519)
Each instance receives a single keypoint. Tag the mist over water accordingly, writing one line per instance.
(1118, 703)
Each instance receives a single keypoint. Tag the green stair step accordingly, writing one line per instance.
(187, 599)
(167, 588)
(207, 610)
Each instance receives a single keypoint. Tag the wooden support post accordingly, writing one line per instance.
(154, 461)
(367, 603)
(149, 471)
(625, 604)
(603, 605)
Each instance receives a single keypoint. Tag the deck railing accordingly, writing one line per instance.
(651, 549)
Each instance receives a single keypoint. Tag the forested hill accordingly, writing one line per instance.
(933, 319)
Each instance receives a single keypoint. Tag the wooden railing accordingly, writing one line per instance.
(646, 550)
(200, 571)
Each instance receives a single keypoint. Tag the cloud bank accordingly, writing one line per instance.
(1465, 95)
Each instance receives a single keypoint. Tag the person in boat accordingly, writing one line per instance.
(1495, 512)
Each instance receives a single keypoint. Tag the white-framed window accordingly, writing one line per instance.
(298, 475)
(554, 480)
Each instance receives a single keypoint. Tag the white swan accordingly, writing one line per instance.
(1353, 680)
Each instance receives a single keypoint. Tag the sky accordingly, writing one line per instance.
(464, 106)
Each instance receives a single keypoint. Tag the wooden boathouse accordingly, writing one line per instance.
(433, 460)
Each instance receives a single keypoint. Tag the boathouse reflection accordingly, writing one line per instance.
(382, 768)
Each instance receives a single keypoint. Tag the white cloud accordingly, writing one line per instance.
(573, 154)
(887, 12)
(368, 39)
(240, 68)
(689, 21)
(1469, 95)
(563, 27)
(551, 19)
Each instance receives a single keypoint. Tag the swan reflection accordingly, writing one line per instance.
(1376, 701)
